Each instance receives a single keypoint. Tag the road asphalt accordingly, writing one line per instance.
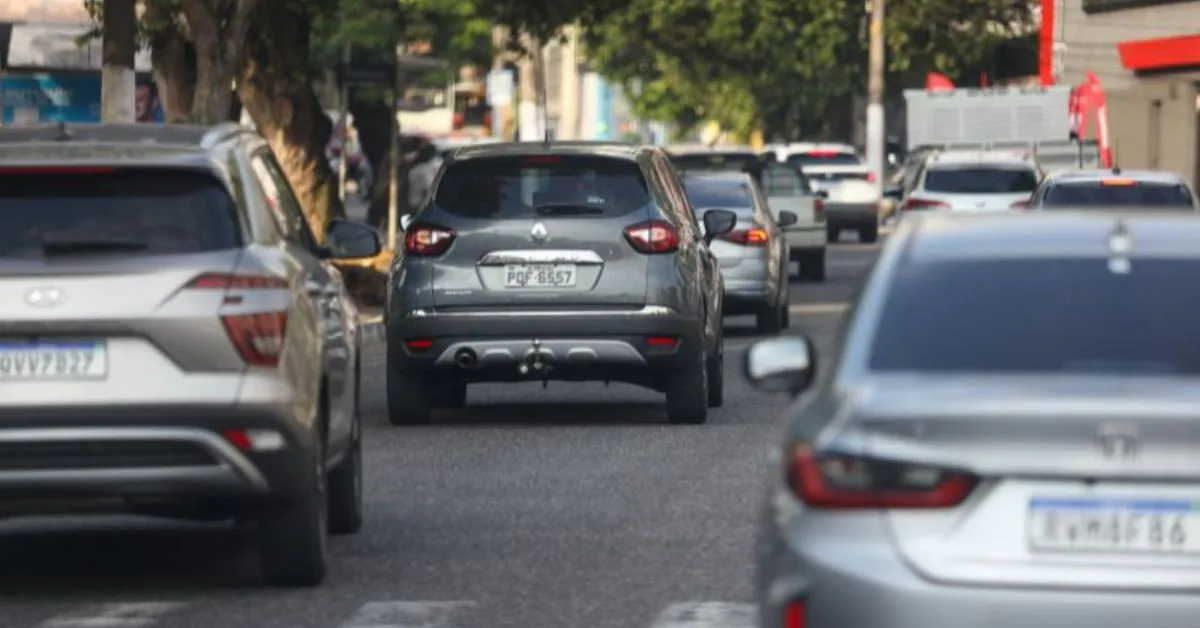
(576, 505)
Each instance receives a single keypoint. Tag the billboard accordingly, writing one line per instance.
(65, 97)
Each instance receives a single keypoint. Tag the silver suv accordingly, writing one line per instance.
(567, 261)
(173, 340)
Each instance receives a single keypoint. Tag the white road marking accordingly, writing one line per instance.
(707, 615)
(129, 615)
(406, 614)
(819, 308)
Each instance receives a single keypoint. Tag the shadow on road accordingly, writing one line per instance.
(591, 413)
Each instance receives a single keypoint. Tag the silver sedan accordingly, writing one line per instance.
(1019, 444)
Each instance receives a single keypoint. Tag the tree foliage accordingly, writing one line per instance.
(787, 65)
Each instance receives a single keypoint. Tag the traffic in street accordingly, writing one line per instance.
(574, 505)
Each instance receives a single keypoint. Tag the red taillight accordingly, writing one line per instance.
(819, 210)
(1020, 205)
(653, 237)
(427, 240)
(419, 345)
(839, 481)
(748, 237)
(259, 336)
(823, 153)
(870, 177)
(239, 439)
(794, 615)
(920, 203)
(662, 342)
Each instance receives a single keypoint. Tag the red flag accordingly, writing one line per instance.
(983, 79)
(935, 82)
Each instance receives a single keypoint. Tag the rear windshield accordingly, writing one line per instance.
(724, 162)
(502, 188)
(135, 211)
(781, 180)
(823, 159)
(1092, 194)
(985, 180)
(1040, 315)
(710, 193)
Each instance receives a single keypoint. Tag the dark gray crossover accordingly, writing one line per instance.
(566, 261)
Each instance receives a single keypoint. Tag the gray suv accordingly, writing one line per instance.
(566, 261)
(174, 340)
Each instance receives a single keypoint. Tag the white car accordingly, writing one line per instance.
(978, 181)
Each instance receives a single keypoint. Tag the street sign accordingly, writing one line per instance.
(500, 86)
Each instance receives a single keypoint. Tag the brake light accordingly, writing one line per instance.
(920, 203)
(653, 237)
(756, 236)
(823, 153)
(426, 240)
(839, 481)
(1118, 182)
(258, 337)
(870, 177)
(795, 615)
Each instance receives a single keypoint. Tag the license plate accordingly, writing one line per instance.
(539, 276)
(1114, 525)
(51, 360)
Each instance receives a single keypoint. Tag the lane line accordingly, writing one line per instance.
(128, 615)
(819, 308)
(407, 614)
(707, 615)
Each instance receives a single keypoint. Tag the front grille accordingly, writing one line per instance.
(137, 454)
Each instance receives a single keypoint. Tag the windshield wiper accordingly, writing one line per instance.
(567, 209)
(54, 246)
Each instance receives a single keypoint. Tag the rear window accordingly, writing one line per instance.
(986, 180)
(723, 162)
(1097, 193)
(820, 158)
(708, 193)
(783, 181)
(133, 211)
(1041, 315)
(501, 188)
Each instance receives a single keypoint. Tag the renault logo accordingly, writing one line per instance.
(1118, 441)
(45, 297)
(539, 232)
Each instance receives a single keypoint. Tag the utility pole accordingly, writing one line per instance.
(875, 75)
(118, 81)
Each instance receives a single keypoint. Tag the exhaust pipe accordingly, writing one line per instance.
(465, 358)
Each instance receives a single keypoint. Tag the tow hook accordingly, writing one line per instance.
(535, 361)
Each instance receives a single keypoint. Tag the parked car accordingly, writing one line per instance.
(1008, 432)
(575, 261)
(173, 339)
(754, 256)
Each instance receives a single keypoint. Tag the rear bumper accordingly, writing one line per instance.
(852, 215)
(578, 344)
(806, 238)
(143, 452)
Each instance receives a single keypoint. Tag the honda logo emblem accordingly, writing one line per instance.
(539, 232)
(1118, 441)
(46, 297)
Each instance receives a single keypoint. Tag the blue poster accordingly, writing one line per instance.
(44, 97)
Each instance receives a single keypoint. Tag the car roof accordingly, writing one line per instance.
(183, 145)
(960, 157)
(1091, 176)
(616, 150)
(1061, 235)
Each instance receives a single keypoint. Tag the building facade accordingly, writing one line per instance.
(1146, 54)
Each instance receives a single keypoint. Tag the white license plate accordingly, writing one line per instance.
(50, 360)
(1114, 525)
(539, 276)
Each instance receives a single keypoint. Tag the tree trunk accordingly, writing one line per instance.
(275, 88)
(218, 32)
(173, 60)
(118, 80)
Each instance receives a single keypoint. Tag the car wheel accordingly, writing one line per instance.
(450, 395)
(812, 267)
(785, 312)
(407, 398)
(292, 543)
(716, 374)
(769, 320)
(868, 234)
(833, 234)
(687, 393)
(345, 488)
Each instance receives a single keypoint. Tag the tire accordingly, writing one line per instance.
(812, 267)
(345, 488)
(449, 395)
(687, 394)
(769, 320)
(785, 313)
(833, 234)
(292, 542)
(868, 234)
(407, 398)
(716, 375)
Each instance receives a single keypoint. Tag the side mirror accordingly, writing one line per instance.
(718, 222)
(347, 239)
(822, 194)
(406, 221)
(787, 219)
(893, 193)
(786, 364)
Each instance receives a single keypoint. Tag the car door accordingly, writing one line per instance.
(709, 281)
(778, 252)
(320, 284)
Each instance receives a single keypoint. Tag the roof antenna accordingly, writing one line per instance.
(64, 133)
